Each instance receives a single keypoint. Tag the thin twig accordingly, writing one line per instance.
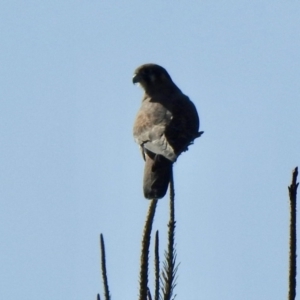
(145, 251)
(149, 297)
(156, 266)
(293, 235)
(103, 268)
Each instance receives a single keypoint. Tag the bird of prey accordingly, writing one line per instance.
(166, 124)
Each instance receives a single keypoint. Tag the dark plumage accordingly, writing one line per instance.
(166, 124)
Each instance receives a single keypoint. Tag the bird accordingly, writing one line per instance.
(166, 124)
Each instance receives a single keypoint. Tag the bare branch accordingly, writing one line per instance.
(103, 268)
(156, 266)
(293, 235)
(149, 297)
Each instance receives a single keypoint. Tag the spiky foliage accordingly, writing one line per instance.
(169, 271)
(103, 268)
(145, 251)
(293, 237)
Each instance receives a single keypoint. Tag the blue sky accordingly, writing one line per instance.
(71, 170)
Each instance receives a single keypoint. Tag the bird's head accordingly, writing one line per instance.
(152, 77)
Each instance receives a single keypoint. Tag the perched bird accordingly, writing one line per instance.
(166, 124)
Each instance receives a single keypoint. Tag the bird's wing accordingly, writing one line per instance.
(150, 126)
(184, 126)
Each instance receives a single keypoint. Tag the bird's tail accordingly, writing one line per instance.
(157, 175)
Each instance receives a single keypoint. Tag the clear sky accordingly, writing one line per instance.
(69, 168)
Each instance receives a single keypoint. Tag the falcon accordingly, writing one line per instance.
(166, 124)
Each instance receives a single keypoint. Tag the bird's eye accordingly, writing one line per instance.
(148, 72)
(150, 75)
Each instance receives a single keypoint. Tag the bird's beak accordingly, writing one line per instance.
(136, 78)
